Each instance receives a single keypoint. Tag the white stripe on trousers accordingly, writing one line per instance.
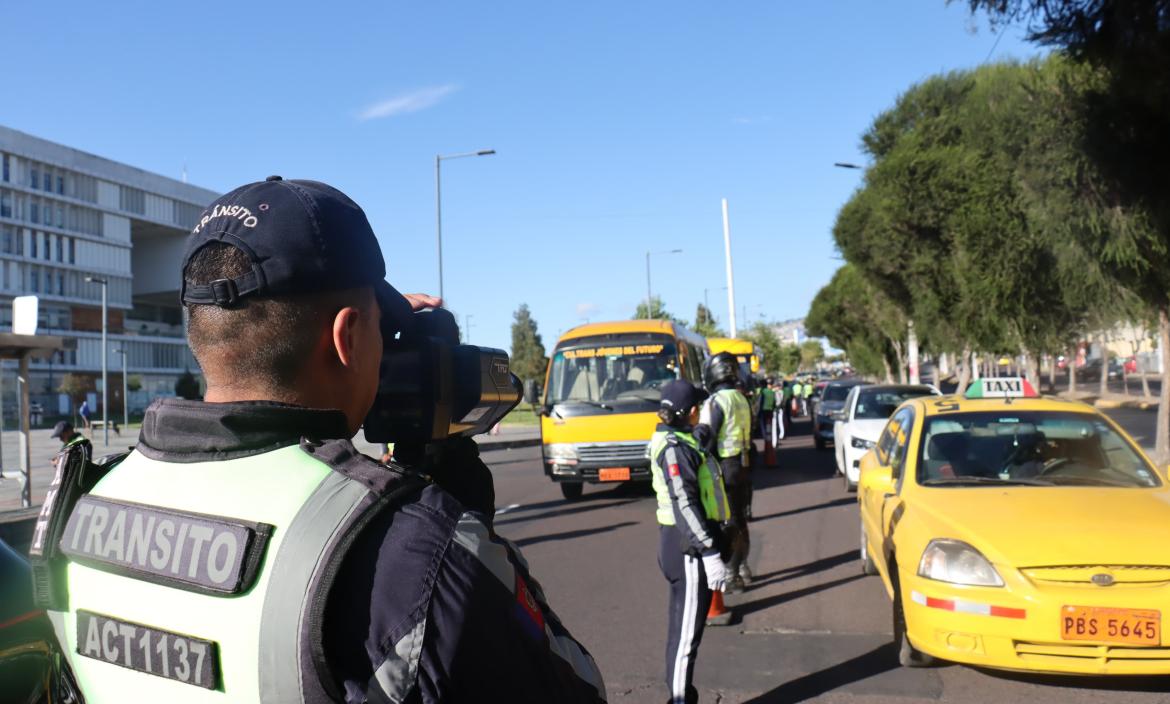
(686, 637)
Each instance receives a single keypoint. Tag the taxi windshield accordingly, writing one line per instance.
(609, 372)
(1028, 448)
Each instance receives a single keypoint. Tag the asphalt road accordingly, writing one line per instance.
(810, 628)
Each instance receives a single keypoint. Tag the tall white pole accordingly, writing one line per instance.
(439, 219)
(912, 353)
(730, 276)
(105, 365)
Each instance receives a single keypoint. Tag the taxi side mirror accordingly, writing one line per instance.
(875, 474)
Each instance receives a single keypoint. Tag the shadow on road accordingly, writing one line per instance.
(820, 565)
(770, 601)
(571, 534)
(565, 509)
(844, 501)
(875, 662)
(1110, 684)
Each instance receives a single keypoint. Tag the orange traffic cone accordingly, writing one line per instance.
(769, 454)
(718, 614)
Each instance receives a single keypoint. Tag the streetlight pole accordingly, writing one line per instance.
(649, 295)
(125, 399)
(105, 284)
(439, 202)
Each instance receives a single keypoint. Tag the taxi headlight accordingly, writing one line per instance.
(862, 444)
(560, 453)
(958, 563)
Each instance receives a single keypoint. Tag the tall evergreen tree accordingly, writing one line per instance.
(528, 358)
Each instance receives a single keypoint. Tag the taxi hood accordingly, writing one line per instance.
(1048, 526)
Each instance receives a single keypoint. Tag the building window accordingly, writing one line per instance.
(48, 247)
(60, 248)
(60, 284)
(33, 245)
(61, 216)
(34, 211)
(35, 178)
(7, 237)
(6, 168)
(72, 251)
(60, 184)
(5, 205)
(34, 281)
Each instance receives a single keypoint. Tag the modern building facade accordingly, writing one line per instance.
(66, 215)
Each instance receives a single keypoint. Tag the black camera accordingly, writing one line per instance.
(432, 388)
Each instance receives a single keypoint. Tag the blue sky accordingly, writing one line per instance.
(619, 126)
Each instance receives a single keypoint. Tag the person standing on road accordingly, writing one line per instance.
(84, 413)
(692, 503)
(69, 437)
(297, 569)
(728, 417)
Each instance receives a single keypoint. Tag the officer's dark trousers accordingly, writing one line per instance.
(689, 600)
(737, 480)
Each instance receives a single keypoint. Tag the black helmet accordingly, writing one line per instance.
(722, 368)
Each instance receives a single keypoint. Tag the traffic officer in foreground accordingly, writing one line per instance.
(246, 552)
(68, 436)
(728, 416)
(692, 504)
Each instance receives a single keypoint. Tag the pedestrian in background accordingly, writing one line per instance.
(84, 413)
(69, 437)
(692, 503)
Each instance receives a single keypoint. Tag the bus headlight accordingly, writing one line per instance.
(560, 453)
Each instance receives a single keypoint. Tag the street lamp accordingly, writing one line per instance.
(649, 295)
(105, 368)
(439, 202)
(125, 398)
(847, 165)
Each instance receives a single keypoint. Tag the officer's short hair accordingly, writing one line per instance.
(263, 340)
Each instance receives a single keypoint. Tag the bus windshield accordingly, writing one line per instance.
(612, 371)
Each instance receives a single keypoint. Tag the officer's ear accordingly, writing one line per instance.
(346, 330)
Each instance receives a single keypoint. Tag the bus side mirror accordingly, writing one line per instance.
(531, 392)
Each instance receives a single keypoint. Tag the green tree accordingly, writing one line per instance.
(187, 386)
(858, 318)
(528, 357)
(705, 324)
(788, 359)
(134, 383)
(75, 387)
(1115, 127)
(811, 353)
(768, 342)
(656, 311)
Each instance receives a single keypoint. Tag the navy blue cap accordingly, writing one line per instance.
(680, 395)
(62, 427)
(303, 237)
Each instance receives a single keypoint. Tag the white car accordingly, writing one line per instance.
(857, 426)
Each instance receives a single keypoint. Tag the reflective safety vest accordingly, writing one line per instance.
(734, 436)
(204, 582)
(711, 491)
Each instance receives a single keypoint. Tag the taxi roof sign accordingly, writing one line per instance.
(1001, 387)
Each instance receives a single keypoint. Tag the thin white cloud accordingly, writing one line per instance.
(407, 102)
(586, 310)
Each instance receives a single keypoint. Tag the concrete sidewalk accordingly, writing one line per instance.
(1112, 400)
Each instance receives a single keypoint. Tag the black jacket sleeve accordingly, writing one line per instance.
(710, 417)
(679, 465)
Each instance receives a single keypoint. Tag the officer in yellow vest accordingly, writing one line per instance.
(728, 416)
(692, 504)
(245, 552)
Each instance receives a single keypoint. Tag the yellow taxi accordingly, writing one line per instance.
(1019, 533)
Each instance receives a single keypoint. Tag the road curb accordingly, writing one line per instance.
(508, 444)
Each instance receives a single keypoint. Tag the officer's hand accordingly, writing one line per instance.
(716, 571)
(419, 301)
(464, 475)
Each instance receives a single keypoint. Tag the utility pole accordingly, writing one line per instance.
(730, 276)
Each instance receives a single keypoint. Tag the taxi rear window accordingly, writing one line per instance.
(1029, 448)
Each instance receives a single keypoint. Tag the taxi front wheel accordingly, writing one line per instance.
(868, 568)
(908, 655)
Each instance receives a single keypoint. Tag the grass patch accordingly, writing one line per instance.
(521, 415)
